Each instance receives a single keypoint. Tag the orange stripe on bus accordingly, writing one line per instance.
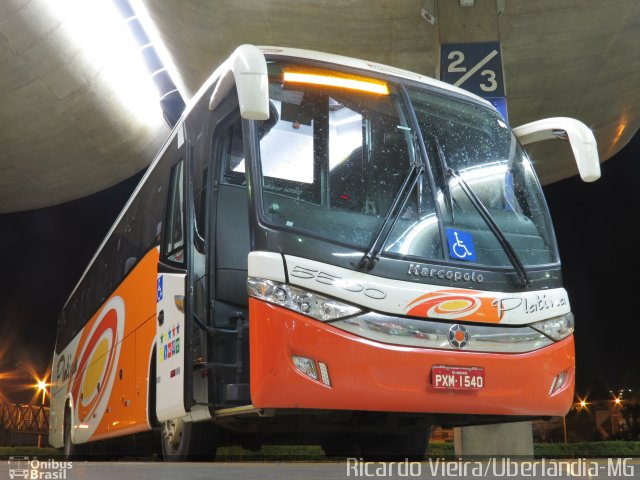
(127, 404)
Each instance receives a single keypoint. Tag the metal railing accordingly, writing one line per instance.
(23, 423)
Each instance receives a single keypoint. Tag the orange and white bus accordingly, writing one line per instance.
(326, 250)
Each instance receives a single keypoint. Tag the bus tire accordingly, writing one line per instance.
(187, 440)
(394, 447)
(72, 451)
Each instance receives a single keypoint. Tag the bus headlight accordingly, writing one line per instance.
(556, 328)
(308, 303)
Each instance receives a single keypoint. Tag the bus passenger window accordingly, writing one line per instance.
(174, 233)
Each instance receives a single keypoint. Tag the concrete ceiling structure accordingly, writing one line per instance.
(66, 131)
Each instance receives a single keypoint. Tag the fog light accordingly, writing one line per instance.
(305, 366)
(324, 374)
(559, 381)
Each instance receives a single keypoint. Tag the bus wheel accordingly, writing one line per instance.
(187, 441)
(411, 446)
(71, 450)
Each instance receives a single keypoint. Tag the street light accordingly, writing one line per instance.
(42, 387)
(582, 404)
(617, 402)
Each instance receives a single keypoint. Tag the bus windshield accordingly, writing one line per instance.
(336, 155)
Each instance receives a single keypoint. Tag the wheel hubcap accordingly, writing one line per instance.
(172, 432)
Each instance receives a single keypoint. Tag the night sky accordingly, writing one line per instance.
(45, 251)
(596, 227)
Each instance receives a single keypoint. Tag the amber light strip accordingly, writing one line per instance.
(340, 82)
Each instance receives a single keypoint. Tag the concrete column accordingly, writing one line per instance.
(504, 439)
(457, 24)
(479, 23)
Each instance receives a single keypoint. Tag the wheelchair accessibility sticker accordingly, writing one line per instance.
(159, 291)
(461, 245)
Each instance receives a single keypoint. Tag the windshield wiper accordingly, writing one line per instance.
(447, 188)
(514, 259)
(372, 255)
(518, 266)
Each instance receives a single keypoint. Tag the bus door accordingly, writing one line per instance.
(173, 379)
(228, 249)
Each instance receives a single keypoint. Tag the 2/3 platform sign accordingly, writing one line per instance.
(476, 67)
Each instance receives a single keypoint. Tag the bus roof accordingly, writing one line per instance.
(368, 66)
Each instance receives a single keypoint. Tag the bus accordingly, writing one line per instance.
(325, 251)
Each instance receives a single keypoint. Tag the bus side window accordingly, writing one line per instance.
(233, 156)
(173, 244)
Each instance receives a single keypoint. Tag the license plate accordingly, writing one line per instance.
(457, 378)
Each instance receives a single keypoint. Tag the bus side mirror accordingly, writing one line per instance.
(580, 137)
(247, 70)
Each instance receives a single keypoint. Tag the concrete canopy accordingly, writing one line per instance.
(64, 136)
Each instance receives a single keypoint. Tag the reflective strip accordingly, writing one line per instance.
(429, 334)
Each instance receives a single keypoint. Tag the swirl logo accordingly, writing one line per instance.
(97, 364)
(458, 336)
(454, 304)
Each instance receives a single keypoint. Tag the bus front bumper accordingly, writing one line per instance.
(369, 375)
